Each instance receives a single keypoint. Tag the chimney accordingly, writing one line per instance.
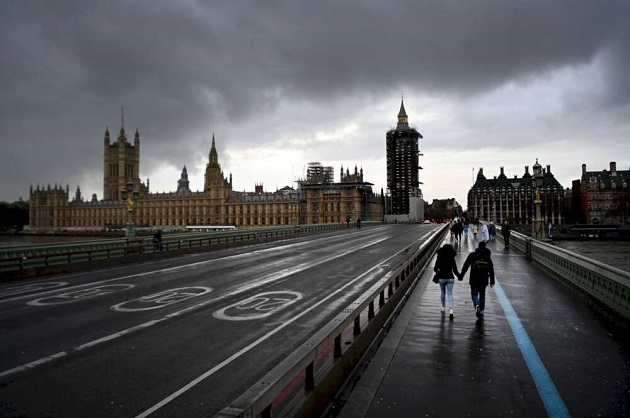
(613, 168)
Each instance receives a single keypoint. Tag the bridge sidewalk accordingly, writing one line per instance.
(540, 350)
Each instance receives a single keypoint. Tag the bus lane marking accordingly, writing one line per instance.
(258, 306)
(161, 299)
(82, 294)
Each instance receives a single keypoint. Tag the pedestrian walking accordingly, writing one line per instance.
(445, 272)
(485, 234)
(157, 241)
(492, 230)
(481, 269)
(506, 230)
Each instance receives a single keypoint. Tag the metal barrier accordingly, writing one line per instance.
(19, 259)
(607, 284)
(323, 361)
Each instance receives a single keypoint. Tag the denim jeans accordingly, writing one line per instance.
(478, 295)
(446, 286)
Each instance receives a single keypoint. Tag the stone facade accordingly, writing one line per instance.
(504, 198)
(317, 199)
(605, 195)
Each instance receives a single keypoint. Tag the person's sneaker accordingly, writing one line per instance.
(450, 315)
(477, 311)
(442, 309)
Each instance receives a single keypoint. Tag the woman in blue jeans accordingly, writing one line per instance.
(446, 270)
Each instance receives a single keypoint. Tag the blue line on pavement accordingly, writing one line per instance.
(546, 389)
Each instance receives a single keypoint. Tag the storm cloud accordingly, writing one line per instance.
(284, 83)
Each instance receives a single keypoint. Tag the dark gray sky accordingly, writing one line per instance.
(283, 83)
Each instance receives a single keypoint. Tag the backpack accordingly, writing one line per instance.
(481, 265)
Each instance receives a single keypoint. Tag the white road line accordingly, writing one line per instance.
(243, 289)
(247, 348)
(164, 270)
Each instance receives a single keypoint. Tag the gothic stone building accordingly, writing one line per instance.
(317, 200)
(402, 165)
(502, 198)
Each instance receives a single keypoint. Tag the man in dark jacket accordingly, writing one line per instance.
(506, 230)
(481, 268)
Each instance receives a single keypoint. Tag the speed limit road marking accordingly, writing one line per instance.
(258, 306)
(83, 294)
(161, 299)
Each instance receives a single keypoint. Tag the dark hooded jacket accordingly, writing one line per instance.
(479, 278)
(445, 265)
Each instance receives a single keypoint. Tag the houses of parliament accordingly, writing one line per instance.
(317, 199)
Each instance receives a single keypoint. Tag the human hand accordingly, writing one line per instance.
(491, 284)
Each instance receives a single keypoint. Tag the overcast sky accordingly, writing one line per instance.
(283, 83)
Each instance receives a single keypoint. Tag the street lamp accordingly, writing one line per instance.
(130, 196)
(537, 221)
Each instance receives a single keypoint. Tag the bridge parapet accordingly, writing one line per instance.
(607, 284)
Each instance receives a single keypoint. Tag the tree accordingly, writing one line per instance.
(13, 215)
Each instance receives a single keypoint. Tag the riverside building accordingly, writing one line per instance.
(318, 199)
(512, 199)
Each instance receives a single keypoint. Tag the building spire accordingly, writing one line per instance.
(122, 118)
(402, 114)
(214, 157)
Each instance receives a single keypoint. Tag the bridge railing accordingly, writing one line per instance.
(607, 284)
(20, 259)
(306, 381)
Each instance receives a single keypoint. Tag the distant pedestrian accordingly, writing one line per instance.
(485, 234)
(506, 230)
(475, 228)
(550, 228)
(466, 227)
(445, 271)
(458, 228)
(481, 268)
(157, 241)
(358, 222)
(492, 230)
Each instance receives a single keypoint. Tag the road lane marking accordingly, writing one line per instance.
(269, 279)
(33, 287)
(259, 341)
(258, 306)
(172, 269)
(161, 299)
(546, 389)
(82, 294)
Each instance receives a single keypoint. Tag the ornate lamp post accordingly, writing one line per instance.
(130, 197)
(537, 231)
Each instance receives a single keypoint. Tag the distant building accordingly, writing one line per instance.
(443, 209)
(502, 198)
(405, 202)
(605, 195)
(317, 200)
